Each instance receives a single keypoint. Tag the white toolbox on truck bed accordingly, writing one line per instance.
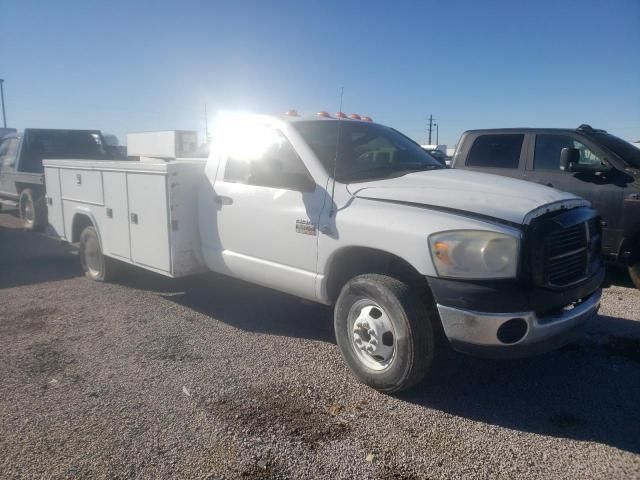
(145, 212)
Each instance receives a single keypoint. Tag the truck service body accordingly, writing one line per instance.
(352, 214)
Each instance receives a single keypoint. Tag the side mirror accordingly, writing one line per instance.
(569, 158)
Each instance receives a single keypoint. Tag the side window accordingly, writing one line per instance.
(548, 148)
(496, 151)
(8, 150)
(587, 156)
(264, 157)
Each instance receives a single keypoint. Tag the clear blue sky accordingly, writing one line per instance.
(132, 66)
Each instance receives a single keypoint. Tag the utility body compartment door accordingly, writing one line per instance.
(116, 219)
(54, 201)
(82, 185)
(149, 220)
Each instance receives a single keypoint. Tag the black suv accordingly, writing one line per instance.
(586, 161)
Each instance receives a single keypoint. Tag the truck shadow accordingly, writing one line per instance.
(27, 258)
(617, 276)
(240, 304)
(587, 391)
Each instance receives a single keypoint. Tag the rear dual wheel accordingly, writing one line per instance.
(94, 264)
(33, 211)
(385, 331)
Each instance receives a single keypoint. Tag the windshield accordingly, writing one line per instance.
(367, 150)
(625, 150)
(60, 144)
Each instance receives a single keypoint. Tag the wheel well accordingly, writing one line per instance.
(80, 222)
(632, 244)
(354, 261)
(37, 190)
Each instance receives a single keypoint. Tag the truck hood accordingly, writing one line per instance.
(459, 191)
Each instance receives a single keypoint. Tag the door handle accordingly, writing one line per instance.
(222, 200)
(134, 218)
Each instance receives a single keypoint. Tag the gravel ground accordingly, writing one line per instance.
(213, 378)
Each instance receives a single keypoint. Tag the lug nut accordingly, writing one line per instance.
(373, 342)
(371, 332)
(369, 349)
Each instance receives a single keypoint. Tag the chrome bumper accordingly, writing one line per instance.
(467, 329)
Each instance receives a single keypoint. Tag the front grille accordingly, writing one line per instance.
(566, 254)
(564, 247)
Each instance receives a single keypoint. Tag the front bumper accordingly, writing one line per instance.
(481, 333)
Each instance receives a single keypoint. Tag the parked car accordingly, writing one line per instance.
(585, 161)
(21, 170)
(352, 214)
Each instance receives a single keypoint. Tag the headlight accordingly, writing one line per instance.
(474, 254)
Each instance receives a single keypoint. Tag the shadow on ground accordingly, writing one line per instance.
(587, 391)
(27, 258)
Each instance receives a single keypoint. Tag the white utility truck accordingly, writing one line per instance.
(353, 214)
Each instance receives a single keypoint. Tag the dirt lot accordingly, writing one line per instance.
(213, 378)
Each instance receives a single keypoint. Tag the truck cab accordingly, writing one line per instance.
(588, 162)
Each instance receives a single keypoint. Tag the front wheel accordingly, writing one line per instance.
(634, 273)
(95, 265)
(385, 332)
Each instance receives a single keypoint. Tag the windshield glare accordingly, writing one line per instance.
(366, 151)
(629, 153)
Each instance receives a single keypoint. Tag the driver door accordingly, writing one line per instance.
(268, 211)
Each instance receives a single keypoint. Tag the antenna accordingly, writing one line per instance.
(335, 160)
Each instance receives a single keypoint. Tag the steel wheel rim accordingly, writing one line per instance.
(93, 257)
(27, 212)
(372, 334)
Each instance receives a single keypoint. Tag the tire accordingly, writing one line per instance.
(94, 264)
(33, 211)
(634, 273)
(377, 302)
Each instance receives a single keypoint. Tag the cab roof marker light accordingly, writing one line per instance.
(366, 119)
(340, 115)
(292, 113)
(323, 114)
(355, 116)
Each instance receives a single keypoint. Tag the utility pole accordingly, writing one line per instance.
(206, 124)
(430, 128)
(4, 115)
(437, 133)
